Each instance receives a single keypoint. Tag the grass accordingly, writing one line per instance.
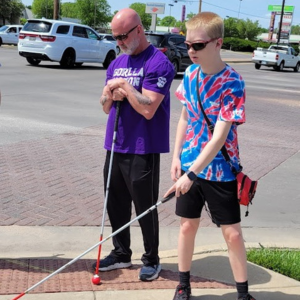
(283, 261)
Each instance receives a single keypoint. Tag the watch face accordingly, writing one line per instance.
(191, 175)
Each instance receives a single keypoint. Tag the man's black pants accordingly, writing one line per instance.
(134, 178)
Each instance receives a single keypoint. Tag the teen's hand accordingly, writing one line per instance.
(175, 169)
(182, 186)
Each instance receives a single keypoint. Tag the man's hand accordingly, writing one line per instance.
(118, 94)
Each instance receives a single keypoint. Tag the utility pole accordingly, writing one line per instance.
(56, 10)
(170, 16)
(280, 23)
(200, 4)
(239, 9)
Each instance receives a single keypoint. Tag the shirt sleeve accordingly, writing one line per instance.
(159, 77)
(233, 103)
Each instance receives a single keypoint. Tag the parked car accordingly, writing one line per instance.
(9, 34)
(173, 46)
(276, 56)
(109, 37)
(64, 42)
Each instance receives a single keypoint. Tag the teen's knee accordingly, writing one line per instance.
(189, 226)
(232, 234)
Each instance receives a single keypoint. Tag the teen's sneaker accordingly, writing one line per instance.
(183, 292)
(111, 263)
(247, 297)
(148, 273)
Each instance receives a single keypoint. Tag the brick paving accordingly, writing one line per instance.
(18, 275)
(57, 181)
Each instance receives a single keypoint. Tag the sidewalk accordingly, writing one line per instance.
(211, 275)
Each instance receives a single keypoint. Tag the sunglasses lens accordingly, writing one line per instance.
(198, 46)
(121, 37)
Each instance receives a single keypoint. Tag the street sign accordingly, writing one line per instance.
(278, 8)
(155, 8)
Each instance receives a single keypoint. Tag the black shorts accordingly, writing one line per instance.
(221, 199)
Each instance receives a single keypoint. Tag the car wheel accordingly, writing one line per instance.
(175, 65)
(78, 64)
(68, 59)
(111, 55)
(33, 61)
(281, 66)
(296, 69)
(0, 42)
(257, 66)
(118, 50)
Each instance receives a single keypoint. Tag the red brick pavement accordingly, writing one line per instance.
(58, 180)
(18, 275)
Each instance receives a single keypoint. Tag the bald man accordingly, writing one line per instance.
(140, 78)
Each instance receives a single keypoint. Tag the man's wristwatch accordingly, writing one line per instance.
(191, 175)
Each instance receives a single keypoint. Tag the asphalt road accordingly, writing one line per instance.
(52, 129)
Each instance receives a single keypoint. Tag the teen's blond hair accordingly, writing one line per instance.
(212, 23)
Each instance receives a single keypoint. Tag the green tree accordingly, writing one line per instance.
(10, 10)
(94, 13)
(248, 29)
(43, 8)
(168, 21)
(181, 26)
(190, 15)
(69, 10)
(16, 12)
(230, 27)
(295, 29)
(140, 8)
(242, 29)
(5, 10)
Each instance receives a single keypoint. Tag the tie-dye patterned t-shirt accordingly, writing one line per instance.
(223, 97)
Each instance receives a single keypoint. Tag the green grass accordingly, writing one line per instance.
(283, 261)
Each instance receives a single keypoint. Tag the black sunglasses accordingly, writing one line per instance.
(124, 36)
(198, 46)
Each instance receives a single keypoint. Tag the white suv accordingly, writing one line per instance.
(63, 42)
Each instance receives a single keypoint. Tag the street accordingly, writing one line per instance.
(52, 130)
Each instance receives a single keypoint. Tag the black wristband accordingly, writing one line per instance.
(191, 175)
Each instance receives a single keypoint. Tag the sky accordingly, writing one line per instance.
(255, 10)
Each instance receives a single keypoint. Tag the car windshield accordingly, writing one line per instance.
(3, 28)
(155, 40)
(37, 26)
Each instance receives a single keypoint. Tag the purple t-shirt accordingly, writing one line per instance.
(151, 70)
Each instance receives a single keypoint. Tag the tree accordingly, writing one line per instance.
(69, 10)
(16, 12)
(94, 13)
(295, 29)
(10, 10)
(190, 15)
(140, 8)
(242, 29)
(43, 8)
(230, 27)
(168, 21)
(181, 26)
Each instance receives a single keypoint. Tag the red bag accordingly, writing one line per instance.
(246, 188)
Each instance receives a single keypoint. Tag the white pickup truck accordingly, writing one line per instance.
(9, 34)
(277, 56)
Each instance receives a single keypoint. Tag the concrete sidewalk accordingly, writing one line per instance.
(210, 262)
